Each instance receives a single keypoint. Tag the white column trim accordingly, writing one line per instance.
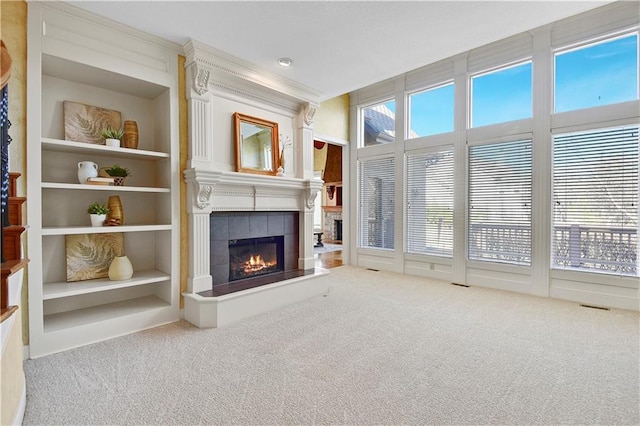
(461, 118)
(541, 167)
(199, 252)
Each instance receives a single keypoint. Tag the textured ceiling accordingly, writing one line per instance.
(337, 46)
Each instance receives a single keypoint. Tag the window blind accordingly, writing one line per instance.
(376, 192)
(499, 225)
(595, 201)
(429, 221)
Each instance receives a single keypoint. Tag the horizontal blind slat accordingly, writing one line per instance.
(376, 200)
(429, 222)
(595, 201)
(500, 202)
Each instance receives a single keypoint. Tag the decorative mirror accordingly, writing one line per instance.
(257, 148)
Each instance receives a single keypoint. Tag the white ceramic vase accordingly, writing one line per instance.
(120, 269)
(114, 143)
(98, 219)
(86, 170)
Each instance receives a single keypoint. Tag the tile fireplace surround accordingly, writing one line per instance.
(233, 227)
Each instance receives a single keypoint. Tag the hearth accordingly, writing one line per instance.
(252, 257)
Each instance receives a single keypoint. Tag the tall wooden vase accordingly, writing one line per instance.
(116, 212)
(130, 137)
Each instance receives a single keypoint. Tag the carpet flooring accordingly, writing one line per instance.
(380, 348)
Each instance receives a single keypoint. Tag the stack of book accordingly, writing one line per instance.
(100, 181)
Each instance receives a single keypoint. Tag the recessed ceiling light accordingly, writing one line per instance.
(285, 62)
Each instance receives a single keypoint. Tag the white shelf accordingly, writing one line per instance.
(69, 230)
(64, 289)
(56, 185)
(80, 317)
(59, 145)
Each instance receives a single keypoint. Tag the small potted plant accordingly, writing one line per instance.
(112, 136)
(98, 213)
(118, 173)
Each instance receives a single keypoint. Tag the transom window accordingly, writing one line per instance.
(501, 95)
(431, 111)
(379, 123)
(598, 74)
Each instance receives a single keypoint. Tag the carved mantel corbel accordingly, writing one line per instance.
(200, 76)
(200, 189)
(202, 193)
(311, 191)
(310, 110)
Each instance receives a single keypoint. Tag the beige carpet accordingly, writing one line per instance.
(380, 348)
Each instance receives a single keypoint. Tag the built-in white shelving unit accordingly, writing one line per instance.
(73, 57)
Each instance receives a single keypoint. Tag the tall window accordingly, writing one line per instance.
(595, 201)
(500, 202)
(597, 74)
(431, 111)
(430, 203)
(376, 196)
(379, 124)
(502, 95)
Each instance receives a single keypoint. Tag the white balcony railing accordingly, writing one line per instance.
(598, 249)
(500, 243)
(613, 250)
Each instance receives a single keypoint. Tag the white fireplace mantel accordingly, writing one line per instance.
(232, 191)
(217, 83)
(211, 190)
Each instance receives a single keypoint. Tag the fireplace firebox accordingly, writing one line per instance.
(252, 257)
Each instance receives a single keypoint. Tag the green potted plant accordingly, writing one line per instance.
(112, 136)
(118, 173)
(98, 213)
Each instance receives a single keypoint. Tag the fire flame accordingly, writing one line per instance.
(255, 264)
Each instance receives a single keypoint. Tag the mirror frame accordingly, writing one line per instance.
(240, 118)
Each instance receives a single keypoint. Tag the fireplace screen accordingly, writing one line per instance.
(252, 257)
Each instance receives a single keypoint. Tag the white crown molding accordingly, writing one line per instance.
(231, 73)
(76, 12)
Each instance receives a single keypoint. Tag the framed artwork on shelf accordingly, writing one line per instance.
(83, 123)
(89, 255)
